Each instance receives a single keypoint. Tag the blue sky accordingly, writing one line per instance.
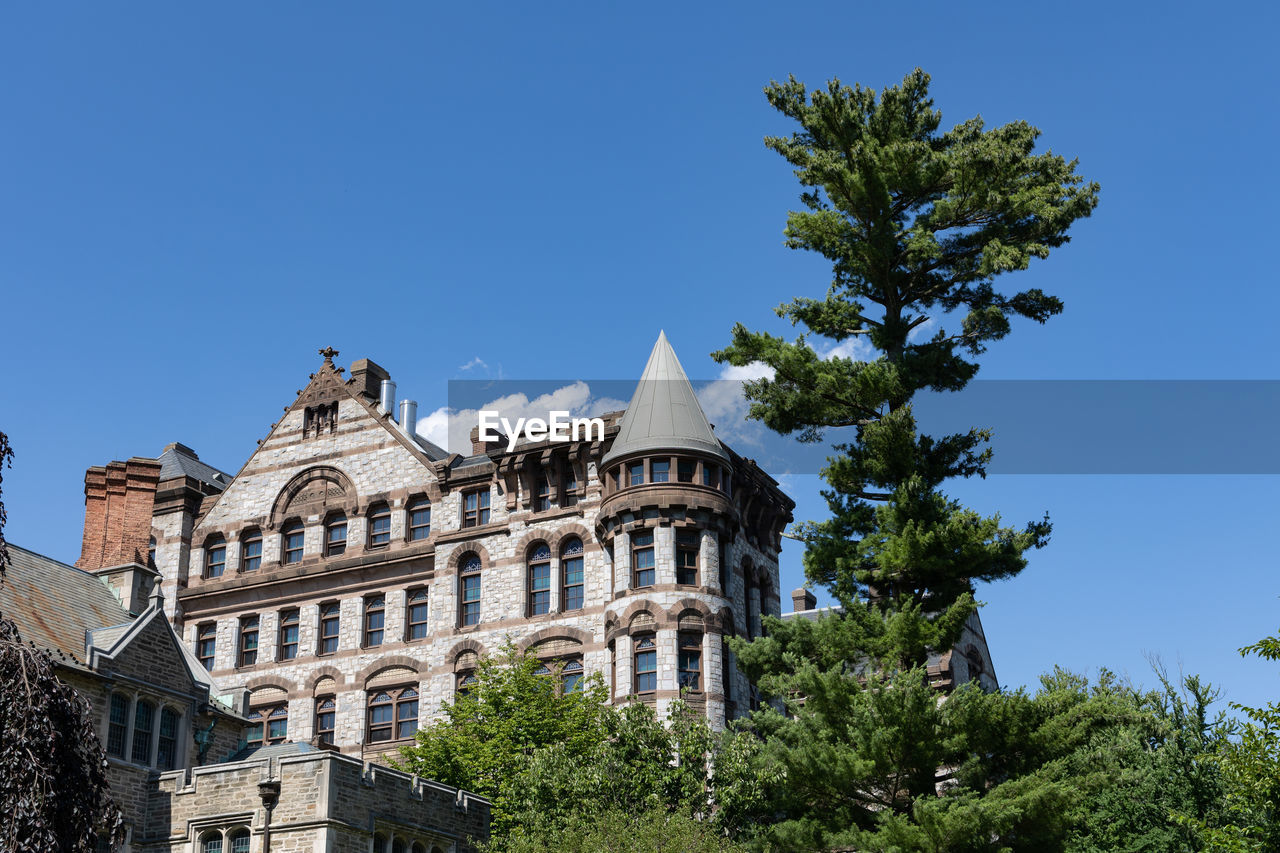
(194, 200)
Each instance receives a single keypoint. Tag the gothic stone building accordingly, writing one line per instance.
(177, 764)
(342, 585)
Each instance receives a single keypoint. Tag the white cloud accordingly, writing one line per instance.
(474, 363)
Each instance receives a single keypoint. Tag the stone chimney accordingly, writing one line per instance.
(118, 503)
(366, 379)
(803, 599)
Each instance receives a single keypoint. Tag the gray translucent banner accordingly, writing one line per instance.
(1038, 427)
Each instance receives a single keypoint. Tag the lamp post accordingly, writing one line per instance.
(270, 794)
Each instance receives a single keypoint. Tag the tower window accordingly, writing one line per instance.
(685, 469)
(646, 659)
(635, 474)
(571, 571)
(687, 546)
(642, 558)
(659, 470)
(690, 662)
(540, 580)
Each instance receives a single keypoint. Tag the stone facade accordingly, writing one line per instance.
(301, 582)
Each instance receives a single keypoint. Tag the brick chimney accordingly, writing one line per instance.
(118, 501)
(366, 379)
(479, 447)
(803, 599)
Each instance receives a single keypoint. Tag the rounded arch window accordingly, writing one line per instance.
(211, 842)
(539, 563)
(469, 589)
(571, 573)
(239, 841)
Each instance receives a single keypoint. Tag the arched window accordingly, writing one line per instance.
(393, 714)
(379, 525)
(379, 843)
(215, 557)
(539, 579)
(287, 648)
(117, 725)
(571, 677)
(330, 622)
(646, 664)
(397, 845)
(326, 717)
(375, 613)
(419, 520)
(690, 662)
(268, 725)
(211, 842)
(335, 535)
(291, 538)
(239, 839)
(642, 566)
(687, 546)
(416, 613)
(465, 682)
(464, 673)
(248, 653)
(469, 590)
(251, 550)
(207, 643)
(571, 574)
(144, 721)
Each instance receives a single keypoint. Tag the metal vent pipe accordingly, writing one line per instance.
(409, 416)
(387, 403)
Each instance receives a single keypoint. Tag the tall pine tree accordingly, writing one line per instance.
(919, 225)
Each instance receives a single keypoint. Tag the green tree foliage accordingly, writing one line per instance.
(918, 225)
(1250, 766)
(549, 761)
(53, 788)
(612, 831)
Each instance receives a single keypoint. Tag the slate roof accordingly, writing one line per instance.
(664, 413)
(274, 750)
(54, 605)
(178, 460)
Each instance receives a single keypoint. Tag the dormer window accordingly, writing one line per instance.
(215, 557)
(335, 535)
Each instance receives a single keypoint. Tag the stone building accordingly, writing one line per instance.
(341, 586)
(177, 763)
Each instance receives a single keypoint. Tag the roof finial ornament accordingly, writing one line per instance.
(328, 353)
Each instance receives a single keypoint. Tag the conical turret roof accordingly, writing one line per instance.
(664, 413)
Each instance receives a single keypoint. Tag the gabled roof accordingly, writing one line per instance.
(55, 605)
(664, 413)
